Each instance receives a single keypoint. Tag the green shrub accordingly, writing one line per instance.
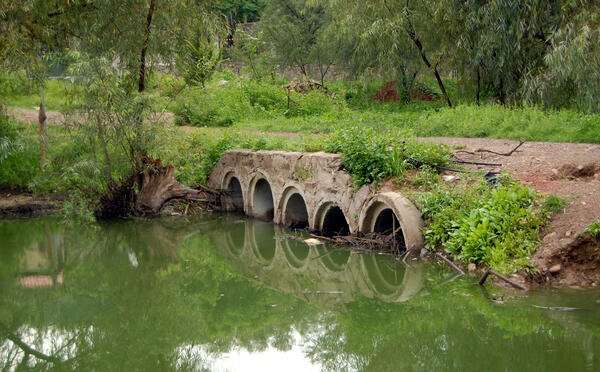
(370, 156)
(212, 107)
(312, 103)
(265, 97)
(495, 226)
(19, 158)
(594, 230)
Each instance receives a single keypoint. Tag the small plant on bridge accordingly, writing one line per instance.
(371, 156)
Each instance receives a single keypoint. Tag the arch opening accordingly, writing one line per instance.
(296, 214)
(234, 189)
(262, 206)
(334, 223)
(387, 223)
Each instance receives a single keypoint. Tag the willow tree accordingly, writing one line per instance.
(29, 31)
(120, 41)
(405, 26)
(570, 75)
(296, 30)
(496, 44)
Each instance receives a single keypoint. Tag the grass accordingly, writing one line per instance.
(232, 101)
(594, 230)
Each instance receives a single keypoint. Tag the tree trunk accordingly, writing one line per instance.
(158, 186)
(231, 27)
(478, 91)
(415, 38)
(43, 127)
(142, 77)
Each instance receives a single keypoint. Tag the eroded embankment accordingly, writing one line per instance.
(567, 255)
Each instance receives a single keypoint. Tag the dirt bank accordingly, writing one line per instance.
(567, 256)
(22, 205)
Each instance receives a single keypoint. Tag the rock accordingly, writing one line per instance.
(471, 267)
(450, 178)
(549, 237)
(568, 233)
(555, 269)
(312, 241)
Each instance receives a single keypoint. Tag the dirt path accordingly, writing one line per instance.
(571, 171)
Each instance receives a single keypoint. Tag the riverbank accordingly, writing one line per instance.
(570, 171)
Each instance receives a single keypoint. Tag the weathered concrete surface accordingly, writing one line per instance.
(318, 180)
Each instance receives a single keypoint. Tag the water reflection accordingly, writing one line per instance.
(231, 294)
(280, 259)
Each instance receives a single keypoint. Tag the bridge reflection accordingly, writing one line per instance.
(280, 259)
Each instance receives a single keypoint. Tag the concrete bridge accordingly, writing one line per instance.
(311, 190)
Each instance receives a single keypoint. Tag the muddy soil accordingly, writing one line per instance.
(14, 204)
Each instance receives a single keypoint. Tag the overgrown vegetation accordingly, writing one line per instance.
(594, 230)
(495, 226)
(372, 156)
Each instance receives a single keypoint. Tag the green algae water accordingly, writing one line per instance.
(229, 294)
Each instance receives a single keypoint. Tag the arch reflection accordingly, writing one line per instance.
(324, 274)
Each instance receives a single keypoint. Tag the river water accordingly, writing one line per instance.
(224, 293)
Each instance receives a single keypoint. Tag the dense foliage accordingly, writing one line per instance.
(495, 226)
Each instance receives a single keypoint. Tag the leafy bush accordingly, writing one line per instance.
(594, 230)
(495, 226)
(19, 161)
(371, 156)
(265, 97)
(212, 107)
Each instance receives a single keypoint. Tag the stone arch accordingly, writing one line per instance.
(261, 204)
(233, 186)
(390, 212)
(331, 220)
(294, 210)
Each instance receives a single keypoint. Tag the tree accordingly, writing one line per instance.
(296, 32)
(29, 31)
(497, 44)
(407, 26)
(570, 75)
(237, 11)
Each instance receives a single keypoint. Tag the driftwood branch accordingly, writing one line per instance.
(460, 161)
(501, 277)
(450, 263)
(521, 143)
